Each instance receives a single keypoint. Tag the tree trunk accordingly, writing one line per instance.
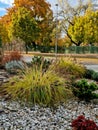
(26, 47)
(34, 45)
(79, 43)
(75, 43)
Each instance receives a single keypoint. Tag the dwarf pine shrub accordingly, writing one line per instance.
(85, 90)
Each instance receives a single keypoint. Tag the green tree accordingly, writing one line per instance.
(76, 31)
(69, 12)
(3, 33)
(24, 26)
(85, 28)
(41, 12)
(91, 27)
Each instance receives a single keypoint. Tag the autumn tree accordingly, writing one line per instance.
(3, 33)
(3, 39)
(91, 27)
(70, 13)
(76, 31)
(24, 26)
(41, 12)
(85, 28)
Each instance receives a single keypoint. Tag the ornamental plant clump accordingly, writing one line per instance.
(89, 74)
(95, 76)
(13, 67)
(13, 62)
(85, 90)
(81, 123)
(14, 55)
(38, 87)
(69, 67)
(38, 60)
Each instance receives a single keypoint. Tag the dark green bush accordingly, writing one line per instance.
(95, 76)
(85, 90)
(89, 73)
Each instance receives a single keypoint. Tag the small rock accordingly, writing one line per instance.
(1, 111)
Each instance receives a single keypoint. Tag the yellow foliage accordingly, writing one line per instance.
(38, 87)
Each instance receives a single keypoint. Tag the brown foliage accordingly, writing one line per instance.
(14, 55)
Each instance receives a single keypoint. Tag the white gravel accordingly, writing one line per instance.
(16, 117)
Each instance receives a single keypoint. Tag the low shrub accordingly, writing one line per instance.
(15, 55)
(38, 87)
(6, 59)
(89, 73)
(81, 123)
(84, 90)
(39, 60)
(11, 56)
(95, 76)
(13, 62)
(13, 67)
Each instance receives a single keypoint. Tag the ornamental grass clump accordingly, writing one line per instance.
(69, 67)
(38, 87)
